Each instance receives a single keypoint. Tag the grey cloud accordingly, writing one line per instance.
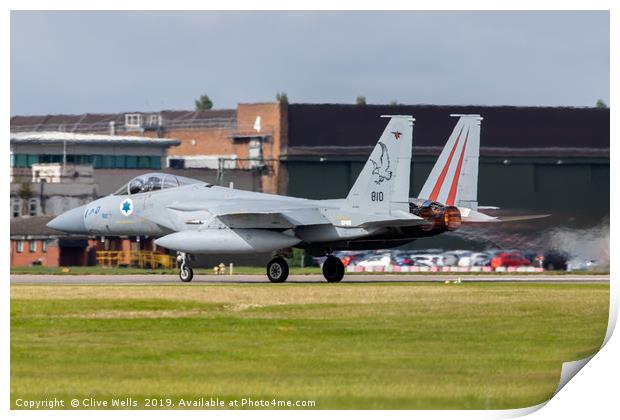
(113, 61)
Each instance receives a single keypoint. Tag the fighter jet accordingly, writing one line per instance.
(194, 217)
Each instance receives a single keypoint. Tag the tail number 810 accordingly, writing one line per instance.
(376, 196)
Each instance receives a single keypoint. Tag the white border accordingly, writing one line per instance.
(592, 393)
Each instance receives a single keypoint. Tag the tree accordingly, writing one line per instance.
(394, 102)
(24, 190)
(601, 104)
(203, 103)
(282, 97)
(360, 100)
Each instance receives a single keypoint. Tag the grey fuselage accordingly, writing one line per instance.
(202, 212)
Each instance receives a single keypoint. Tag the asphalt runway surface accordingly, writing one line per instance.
(311, 278)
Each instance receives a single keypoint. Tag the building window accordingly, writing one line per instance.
(33, 206)
(154, 120)
(144, 162)
(43, 245)
(255, 153)
(24, 161)
(50, 158)
(103, 161)
(119, 161)
(21, 160)
(32, 159)
(155, 162)
(131, 162)
(32, 245)
(107, 161)
(133, 120)
(19, 246)
(16, 209)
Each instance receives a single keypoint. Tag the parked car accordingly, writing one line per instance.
(480, 259)
(351, 257)
(464, 259)
(580, 264)
(376, 261)
(427, 260)
(449, 259)
(402, 260)
(509, 259)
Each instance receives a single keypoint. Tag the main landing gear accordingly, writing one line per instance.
(277, 270)
(185, 271)
(333, 269)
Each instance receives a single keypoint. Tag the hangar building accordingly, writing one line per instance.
(536, 158)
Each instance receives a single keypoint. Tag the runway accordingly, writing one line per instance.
(310, 278)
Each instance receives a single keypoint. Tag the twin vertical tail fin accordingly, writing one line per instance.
(383, 184)
(453, 181)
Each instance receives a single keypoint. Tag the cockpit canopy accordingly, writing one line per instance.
(154, 182)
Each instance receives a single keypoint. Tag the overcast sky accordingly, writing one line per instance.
(78, 62)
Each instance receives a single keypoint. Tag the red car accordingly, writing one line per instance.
(509, 259)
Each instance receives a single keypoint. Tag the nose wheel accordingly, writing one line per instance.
(277, 270)
(333, 269)
(185, 271)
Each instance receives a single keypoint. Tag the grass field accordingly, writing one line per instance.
(473, 346)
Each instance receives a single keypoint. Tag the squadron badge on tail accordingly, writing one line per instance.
(383, 168)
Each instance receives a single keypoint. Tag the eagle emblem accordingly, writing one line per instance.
(382, 169)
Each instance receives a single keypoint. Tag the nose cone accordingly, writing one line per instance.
(71, 221)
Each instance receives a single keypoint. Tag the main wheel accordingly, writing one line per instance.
(333, 269)
(186, 273)
(277, 270)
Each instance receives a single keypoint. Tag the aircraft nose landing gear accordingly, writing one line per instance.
(185, 271)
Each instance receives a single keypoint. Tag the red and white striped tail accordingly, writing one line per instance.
(454, 178)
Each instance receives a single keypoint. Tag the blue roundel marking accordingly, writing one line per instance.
(126, 207)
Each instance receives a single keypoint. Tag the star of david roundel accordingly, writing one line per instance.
(126, 207)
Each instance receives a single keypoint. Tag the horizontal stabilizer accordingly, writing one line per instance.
(472, 216)
(524, 217)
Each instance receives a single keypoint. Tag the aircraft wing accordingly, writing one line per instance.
(266, 214)
(282, 219)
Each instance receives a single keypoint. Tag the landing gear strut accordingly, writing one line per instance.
(277, 270)
(333, 269)
(185, 271)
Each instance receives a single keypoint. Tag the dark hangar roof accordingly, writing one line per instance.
(505, 129)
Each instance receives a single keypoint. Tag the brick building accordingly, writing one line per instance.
(33, 243)
(248, 139)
